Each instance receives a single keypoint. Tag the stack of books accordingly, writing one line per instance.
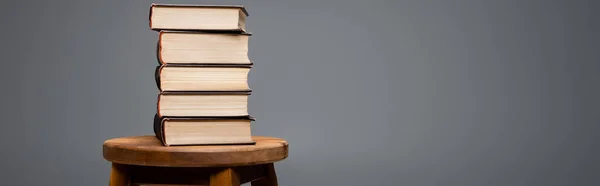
(203, 74)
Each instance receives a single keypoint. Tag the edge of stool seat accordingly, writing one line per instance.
(149, 151)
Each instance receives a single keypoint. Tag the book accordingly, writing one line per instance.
(202, 104)
(197, 17)
(203, 131)
(203, 78)
(180, 47)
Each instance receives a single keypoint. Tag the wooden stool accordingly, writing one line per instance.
(144, 160)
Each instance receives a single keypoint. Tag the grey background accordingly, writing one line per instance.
(416, 93)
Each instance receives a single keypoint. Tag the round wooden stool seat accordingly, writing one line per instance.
(148, 151)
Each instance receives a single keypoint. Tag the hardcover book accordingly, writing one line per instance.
(202, 104)
(198, 17)
(177, 47)
(203, 130)
(202, 78)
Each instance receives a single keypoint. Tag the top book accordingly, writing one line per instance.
(198, 17)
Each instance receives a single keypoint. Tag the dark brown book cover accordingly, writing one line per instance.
(159, 125)
(161, 62)
(198, 93)
(193, 5)
(158, 71)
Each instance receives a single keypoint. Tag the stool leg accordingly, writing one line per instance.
(270, 178)
(119, 175)
(225, 177)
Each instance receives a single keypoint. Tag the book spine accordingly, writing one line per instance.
(158, 53)
(159, 49)
(159, 129)
(150, 15)
(157, 75)
(158, 105)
